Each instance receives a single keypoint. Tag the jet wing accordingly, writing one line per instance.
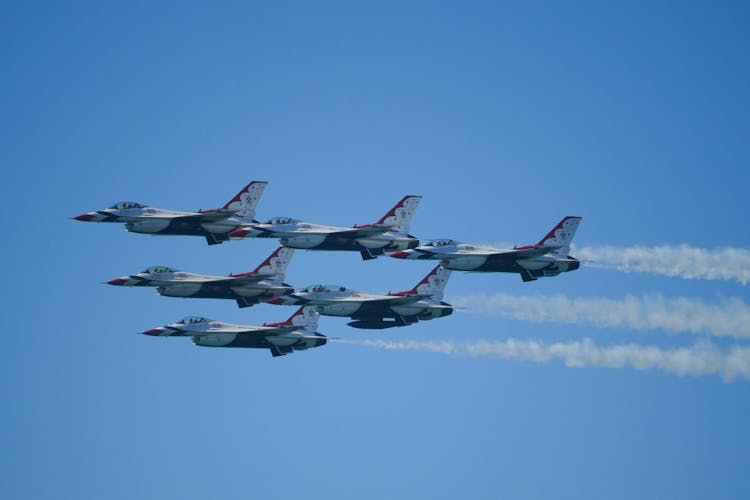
(200, 218)
(361, 232)
(270, 331)
(243, 332)
(405, 299)
(381, 308)
(523, 253)
(240, 280)
(500, 255)
(393, 300)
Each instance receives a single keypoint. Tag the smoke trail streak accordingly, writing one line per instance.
(682, 261)
(702, 358)
(729, 317)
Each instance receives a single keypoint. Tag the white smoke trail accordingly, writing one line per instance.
(728, 317)
(682, 261)
(702, 358)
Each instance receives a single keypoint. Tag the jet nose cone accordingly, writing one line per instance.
(84, 217)
(117, 281)
(400, 254)
(153, 332)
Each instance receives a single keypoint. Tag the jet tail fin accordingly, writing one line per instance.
(400, 216)
(305, 316)
(434, 283)
(245, 202)
(562, 234)
(276, 263)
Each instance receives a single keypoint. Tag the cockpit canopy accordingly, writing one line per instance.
(282, 220)
(441, 243)
(124, 205)
(194, 320)
(324, 288)
(158, 269)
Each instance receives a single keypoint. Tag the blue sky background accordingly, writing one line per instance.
(505, 117)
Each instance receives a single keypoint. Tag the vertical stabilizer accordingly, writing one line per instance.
(306, 317)
(247, 200)
(276, 263)
(434, 283)
(562, 234)
(400, 216)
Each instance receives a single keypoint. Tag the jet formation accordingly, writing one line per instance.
(389, 236)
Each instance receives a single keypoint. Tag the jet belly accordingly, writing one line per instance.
(465, 263)
(536, 264)
(216, 340)
(180, 290)
(148, 226)
(250, 290)
(342, 308)
(218, 227)
(409, 310)
(303, 241)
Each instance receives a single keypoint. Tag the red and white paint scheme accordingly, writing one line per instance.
(389, 234)
(549, 257)
(369, 311)
(265, 282)
(295, 334)
(211, 224)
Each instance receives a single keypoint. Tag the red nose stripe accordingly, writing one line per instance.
(84, 217)
(153, 332)
(276, 300)
(117, 282)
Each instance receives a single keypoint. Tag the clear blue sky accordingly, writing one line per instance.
(505, 117)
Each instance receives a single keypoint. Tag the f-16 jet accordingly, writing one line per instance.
(389, 234)
(265, 282)
(295, 334)
(423, 302)
(549, 257)
(211, 224)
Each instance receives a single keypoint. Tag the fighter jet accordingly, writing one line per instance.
(295, 334)
(549, 257)
(390, 233)
(423, 302)
(265, 282)
(211, 224)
